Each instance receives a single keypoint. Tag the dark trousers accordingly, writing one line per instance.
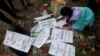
(6, 8)
(23, 2)
(5, 19)
(11, 4)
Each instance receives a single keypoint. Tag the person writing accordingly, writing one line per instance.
(77, 18)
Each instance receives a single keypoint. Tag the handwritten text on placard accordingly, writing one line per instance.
(58, 48)
(62, 35)
(48, 23)
(18, 41)
(41, 38)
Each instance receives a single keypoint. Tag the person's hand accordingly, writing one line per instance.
(66, 25)
(59, 27)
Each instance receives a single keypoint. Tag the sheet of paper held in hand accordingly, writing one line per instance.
(47, 23)
(62, 35)
(58, 48)
(41, 38)
(18, 41)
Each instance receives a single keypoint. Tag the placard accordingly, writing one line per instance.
(58, 48)
(50, 23)
(18, 41)
(41, 38)
(62, 35)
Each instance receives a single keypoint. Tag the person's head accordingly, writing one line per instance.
(66, 11)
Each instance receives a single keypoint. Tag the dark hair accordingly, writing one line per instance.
(66, 11)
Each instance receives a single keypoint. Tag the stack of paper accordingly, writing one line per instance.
(18, 41)
(41, 32)
(58, 37)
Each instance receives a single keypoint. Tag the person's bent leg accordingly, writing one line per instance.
(12, 6)
(4, 19)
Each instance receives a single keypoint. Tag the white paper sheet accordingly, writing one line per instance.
(62, 35)
(69, 51)
(35, 30)
(41, 38)
(42, 17)
(18, 41)
(58, 48)
(61, 23)
(47, 23)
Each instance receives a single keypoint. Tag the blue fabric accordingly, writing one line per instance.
(87, 15)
